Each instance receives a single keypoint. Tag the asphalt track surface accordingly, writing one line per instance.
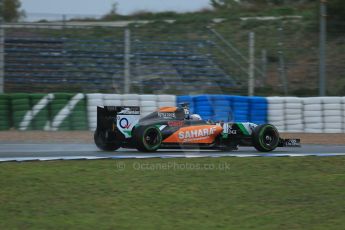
(29, 152)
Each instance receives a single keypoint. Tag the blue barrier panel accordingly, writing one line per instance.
(222, 103)
(203, 100)
(228, 108)
(203, 106)
(222, 106)
(240, 107)
(258, 110)
(219, 110)
(187, 98)
(240, 99)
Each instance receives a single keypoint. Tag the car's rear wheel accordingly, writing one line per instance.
(265, 138)
(103, 143)
(147, 138)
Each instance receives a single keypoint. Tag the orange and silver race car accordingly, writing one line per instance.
(175, 128)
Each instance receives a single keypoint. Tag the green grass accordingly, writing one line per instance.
(251, 193)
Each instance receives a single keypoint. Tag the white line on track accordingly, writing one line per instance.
(164, 156)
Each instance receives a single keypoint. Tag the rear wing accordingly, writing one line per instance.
(106, 117)
(122, 118)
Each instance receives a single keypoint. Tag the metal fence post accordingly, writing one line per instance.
(127, 60)
(64, 21)
(264, 63)
(2, 48)
(322, 71)
(251, 81)
(282, 70)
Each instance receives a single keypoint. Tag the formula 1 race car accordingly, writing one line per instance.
(173, 128)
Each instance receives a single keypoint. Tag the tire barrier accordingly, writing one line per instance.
(51, 112)
(222, 107)
(241, 109)
(227, 107)
(276, 115)
(203, 106)
(309, 114)
(64, 111)
(59, 113)
(288, 114)
(40, 112)
(5, 112)
(258, 107)
(94, 100)
(78, 115)
(21, 111)
(148, 103)
(324, 114)
(312, 115)
(68, 112)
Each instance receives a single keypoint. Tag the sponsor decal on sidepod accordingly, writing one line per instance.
(195, 134)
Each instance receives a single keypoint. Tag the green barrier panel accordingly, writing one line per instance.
(78, 115)
(5, 123)
(63, 96)
(14, 96)
(60, 119)
(40, 110)
(68, 112)
(59, 111)
(57, 104)
(21, 110)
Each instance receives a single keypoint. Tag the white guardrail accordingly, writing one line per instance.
(308, 114)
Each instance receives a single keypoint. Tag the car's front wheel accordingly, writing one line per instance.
(103, 143)
(265, 138)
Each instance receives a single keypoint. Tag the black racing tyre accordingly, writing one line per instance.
(265, 138)
(102, 143)
(147, 138)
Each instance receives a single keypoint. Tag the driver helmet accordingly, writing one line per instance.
(195, 117)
